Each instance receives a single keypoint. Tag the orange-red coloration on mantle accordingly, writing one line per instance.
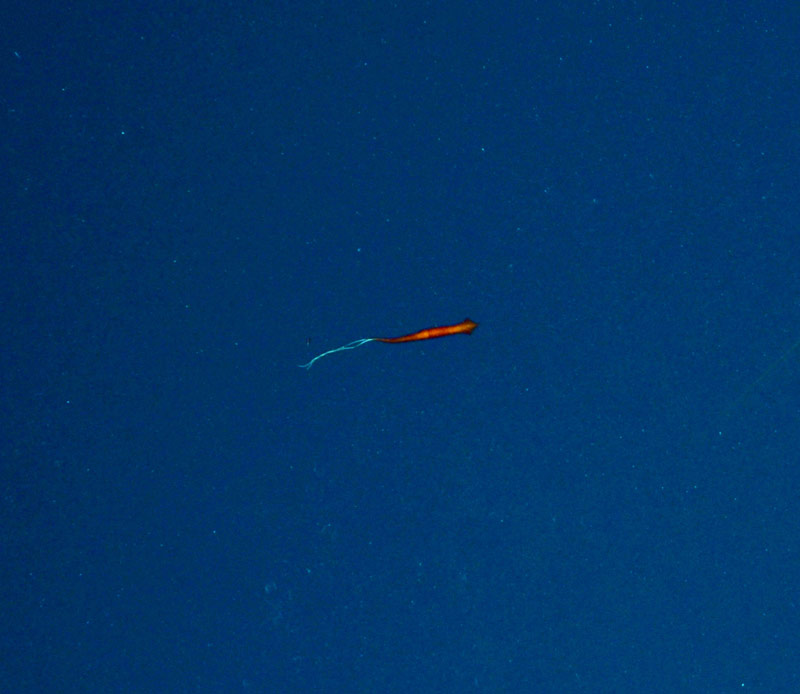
(465, 327)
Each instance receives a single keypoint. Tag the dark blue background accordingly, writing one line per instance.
(598, 491)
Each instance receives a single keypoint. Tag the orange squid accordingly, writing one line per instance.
(465, 327)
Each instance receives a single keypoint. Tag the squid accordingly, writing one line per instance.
(465, 327)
